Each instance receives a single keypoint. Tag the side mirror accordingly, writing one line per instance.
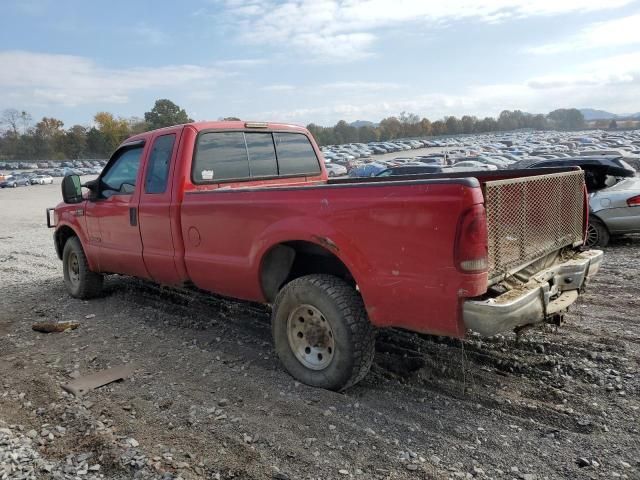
(71, 189)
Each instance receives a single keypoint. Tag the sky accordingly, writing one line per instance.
(319, 61)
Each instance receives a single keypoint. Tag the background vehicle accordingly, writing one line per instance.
(367, 169)
(410, 169)
(41, 180)
(614, 196)
(471, 165)
(15, 181)
(334, 170)
(311, 246)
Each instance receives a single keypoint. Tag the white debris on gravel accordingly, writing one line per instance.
(19, 460)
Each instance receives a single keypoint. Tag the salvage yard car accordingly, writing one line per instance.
(41, 180)
(246, 210)
(614, 196)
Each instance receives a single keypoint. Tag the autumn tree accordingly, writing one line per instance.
(114, 130)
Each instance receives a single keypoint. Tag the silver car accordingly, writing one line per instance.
(614, 211)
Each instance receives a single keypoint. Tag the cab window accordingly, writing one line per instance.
(220, 156)
(122, 174)
(262, 154)
(159, 161)
(295, 154)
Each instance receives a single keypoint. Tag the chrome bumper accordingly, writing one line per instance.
(547, 293)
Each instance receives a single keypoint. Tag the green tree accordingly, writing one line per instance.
(453, 125)
(75, 142)
(367, 133)
(425, 127)
(345, 133)
(567, 119)
(438, 127)
(165, 113)
(468, 124)
(390, 128)
(97, 145)
(507, 121)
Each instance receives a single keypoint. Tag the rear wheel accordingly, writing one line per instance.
(597, 233)
(80, 281)
(321, 332)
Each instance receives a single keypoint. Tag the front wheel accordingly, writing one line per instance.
(81, 282)
(321, 332)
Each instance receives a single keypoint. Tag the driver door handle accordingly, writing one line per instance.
(133, 216)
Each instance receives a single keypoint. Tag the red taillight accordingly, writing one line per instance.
(471, 248)
(634, 201)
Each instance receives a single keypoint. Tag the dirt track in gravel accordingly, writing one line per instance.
(209, 398)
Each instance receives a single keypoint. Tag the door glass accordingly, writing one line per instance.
(122, 174)
(159, 161)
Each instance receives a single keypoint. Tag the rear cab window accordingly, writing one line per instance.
(234, 156)
(159, 163)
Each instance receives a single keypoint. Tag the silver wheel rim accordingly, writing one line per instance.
(310, 337)
(74, 268)
(592, 236)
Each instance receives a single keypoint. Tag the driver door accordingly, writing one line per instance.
(112, 214)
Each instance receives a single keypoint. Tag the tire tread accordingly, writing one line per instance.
(351, 305)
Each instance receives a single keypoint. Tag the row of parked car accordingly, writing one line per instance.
(43, 175)
(477, 152)
(52, 164)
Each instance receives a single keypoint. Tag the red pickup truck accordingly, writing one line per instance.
(245, 210)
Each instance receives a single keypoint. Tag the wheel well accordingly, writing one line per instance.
(290, 260)
(593, 216)
(62, 235)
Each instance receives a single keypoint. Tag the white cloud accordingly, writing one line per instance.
(344, 30)
(39, 78)
(611, 33)
(333, 87)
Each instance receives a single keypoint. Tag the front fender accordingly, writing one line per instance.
(71, 219)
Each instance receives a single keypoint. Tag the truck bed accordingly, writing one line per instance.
(531, 213)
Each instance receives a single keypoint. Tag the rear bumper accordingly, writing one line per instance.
(547, 293)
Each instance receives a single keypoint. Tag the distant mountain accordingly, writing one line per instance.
(593, 114)
(363, 123)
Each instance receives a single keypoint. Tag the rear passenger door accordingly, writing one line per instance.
(154, 211)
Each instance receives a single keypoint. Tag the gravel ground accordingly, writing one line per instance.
(208, 398)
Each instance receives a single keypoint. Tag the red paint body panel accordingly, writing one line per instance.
(396, 238)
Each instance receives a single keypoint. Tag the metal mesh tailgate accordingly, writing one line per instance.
(530, 217)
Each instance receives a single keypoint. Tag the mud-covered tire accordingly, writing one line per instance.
(597, 233)
(336, 307)
(80, 281)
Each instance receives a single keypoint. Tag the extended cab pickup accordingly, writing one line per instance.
(245, 210)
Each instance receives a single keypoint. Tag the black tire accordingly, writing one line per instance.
(14, 185)
(80, 281)
(349, 331)
(597, 233)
